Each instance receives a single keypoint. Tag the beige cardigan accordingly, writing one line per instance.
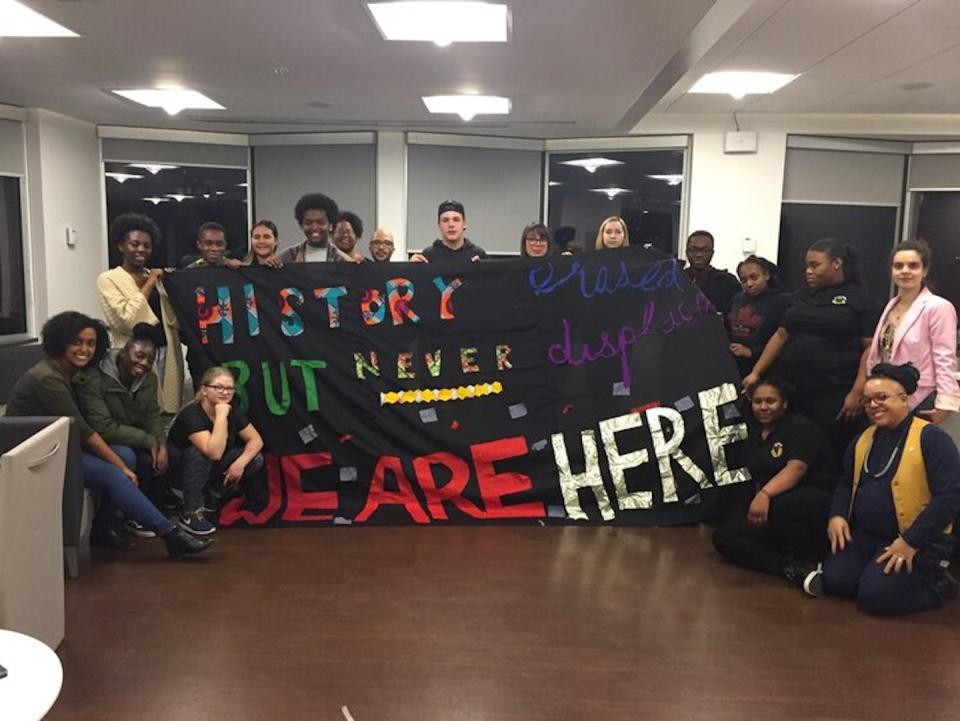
(124, 306)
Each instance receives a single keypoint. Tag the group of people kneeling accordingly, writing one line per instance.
(112, 396)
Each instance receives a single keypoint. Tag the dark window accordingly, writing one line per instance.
(13, 302)
(650, 205)
(205, 194)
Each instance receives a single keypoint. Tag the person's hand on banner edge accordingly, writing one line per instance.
(418, 258)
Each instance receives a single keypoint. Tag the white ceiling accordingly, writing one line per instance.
(573, 67)
(854, 56)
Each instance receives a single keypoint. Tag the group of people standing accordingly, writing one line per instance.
(878, 525)
(834, 506)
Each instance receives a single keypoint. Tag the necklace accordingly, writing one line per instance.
(896, 449)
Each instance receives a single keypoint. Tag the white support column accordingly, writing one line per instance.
(392, 188)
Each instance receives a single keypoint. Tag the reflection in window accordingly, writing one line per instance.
(641, 186)
(180, 199)
(13, 316)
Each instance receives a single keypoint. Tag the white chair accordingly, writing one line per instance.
(31, 534)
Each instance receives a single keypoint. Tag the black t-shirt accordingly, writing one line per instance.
(752, 320)
(793, 438)
(192, 419)
(826, 327)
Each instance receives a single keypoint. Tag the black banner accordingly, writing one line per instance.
(595, 387)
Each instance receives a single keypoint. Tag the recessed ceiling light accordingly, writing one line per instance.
(154, 168)
(156, 201)
(554, 182)
(241, 185)
(123, 177)
(442, 22)
(173, 100)
(591, 164)
(467, 106)
(179, 197)
(220, 192)
(611, 193)
(19, 21)
(737, 84)
(669, 179)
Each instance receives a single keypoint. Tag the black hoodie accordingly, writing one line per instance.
(439, 251)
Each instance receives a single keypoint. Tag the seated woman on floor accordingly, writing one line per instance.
(118, 398)
(781, 533)
(71, 342)
(891, 518)
(215, 446)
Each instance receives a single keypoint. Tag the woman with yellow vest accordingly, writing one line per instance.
(890, 523)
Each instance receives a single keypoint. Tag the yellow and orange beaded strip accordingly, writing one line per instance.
(430, 395)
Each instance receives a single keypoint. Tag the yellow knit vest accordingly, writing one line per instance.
(910, 488)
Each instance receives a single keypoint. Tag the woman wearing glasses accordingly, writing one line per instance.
(535, 241)
(214, 447)
(890, 520)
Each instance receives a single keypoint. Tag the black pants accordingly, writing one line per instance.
(821, 406)
(795, 532)
(854, 573)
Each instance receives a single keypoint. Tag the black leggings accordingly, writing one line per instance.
(795, 532)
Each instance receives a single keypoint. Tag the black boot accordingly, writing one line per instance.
(107, 534)
(180, 543)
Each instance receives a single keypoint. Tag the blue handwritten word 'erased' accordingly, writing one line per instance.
(607, 279)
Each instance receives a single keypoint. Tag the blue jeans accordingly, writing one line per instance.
(119, 492)
(854, 573)
(200, 475)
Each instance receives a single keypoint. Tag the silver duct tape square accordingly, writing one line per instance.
(619, 389)
(731, 412)
(693, 500)
(348, 473)
(308, 434)
(539, 445)
(428, 415)
(341, 521)
(684, 404)
(517, 410)
(556, 512)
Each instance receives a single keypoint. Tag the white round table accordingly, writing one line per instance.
(33, 680)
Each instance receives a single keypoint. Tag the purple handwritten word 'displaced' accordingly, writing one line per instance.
(565, 353)
(605, 280)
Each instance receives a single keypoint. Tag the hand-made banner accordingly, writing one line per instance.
(593, 388)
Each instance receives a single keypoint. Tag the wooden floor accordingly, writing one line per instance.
(491, 623)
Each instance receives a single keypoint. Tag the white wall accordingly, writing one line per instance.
(65, 185)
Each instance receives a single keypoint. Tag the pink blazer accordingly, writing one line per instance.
(926, 337)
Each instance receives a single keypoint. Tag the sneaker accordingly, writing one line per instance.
(138, 529)
(196, 524)
(807, 576)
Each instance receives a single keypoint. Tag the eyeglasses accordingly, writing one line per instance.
(538, 240)
(695, 250)
(879, 399)
(381, 242)
(217, 388)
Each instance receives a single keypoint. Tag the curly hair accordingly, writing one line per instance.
(127, 223)
(60, 331)
(316, 201)
(355, 223)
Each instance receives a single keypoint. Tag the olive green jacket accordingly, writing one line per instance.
(123, 416)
